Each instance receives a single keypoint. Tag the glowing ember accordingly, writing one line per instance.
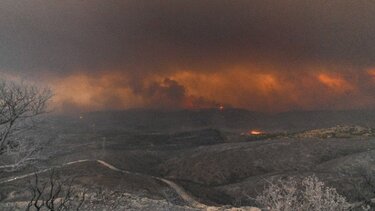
(255, 132)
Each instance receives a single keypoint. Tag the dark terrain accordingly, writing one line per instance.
(208, 152)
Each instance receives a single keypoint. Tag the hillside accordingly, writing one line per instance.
(231, 118)
(217, 166)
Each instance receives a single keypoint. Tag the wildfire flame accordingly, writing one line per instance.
(372, 73)
(255, 132)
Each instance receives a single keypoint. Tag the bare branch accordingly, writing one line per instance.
(19, 102)
(20, 106)
(55, 194)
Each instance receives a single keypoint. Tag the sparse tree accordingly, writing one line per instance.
(55, 194)
(307, 194)
(20, 106)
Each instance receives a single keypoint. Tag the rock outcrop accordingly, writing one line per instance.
(339, 131)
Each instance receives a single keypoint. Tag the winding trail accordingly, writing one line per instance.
(187, 197)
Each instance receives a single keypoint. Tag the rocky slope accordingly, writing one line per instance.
(231, 169)
(339, 131)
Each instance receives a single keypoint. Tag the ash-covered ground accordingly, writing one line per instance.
(208, 153)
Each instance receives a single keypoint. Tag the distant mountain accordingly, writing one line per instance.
(241, 119)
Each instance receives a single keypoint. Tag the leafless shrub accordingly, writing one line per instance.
(306, 194)
(103, 198)
(365, 187)
(362, 181)
(171, 198)
(55, 194)
(23, 153)
(242, 199)
(20, 107)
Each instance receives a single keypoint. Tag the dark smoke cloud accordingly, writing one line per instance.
(138, 35)
(142, 39)
(169, 93)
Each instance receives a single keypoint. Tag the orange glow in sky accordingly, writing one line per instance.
(335, 83)
(250, 88)
(371, 73)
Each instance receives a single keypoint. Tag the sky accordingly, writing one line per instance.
(262, 55)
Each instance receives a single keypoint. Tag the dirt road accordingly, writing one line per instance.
(188, 198)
